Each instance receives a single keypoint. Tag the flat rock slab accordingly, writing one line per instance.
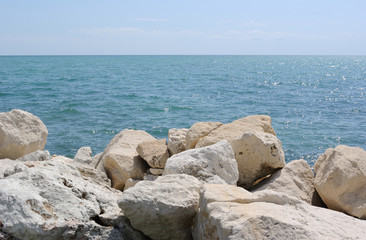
(229, 212)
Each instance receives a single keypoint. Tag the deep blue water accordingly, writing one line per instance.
(315, 102)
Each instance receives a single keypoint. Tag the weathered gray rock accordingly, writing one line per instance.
(233, 130)
(258, 154)
(155, 152)
(177, 140)
(53, 200)
(36, 156)
(21, 133)
(83, 155)
(213, 164)
(121, 160)
(341, 179)
(164, 208)
(199, 130)
(295, 179)
(229, 212)
(9, 167)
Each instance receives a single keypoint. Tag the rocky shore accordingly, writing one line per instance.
(211, 181)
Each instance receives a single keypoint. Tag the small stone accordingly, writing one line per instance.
(155, 152)
(177, 140)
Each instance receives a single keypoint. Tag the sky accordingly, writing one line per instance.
(201, 27)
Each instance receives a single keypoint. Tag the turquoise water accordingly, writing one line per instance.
(315, 102)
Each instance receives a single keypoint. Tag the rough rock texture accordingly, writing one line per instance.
(177, 140)
(53, 200)
(83, 155)
(258, 154)
(341, 179)
(295, 179)
(229, 212)
(130, 183)
(21, 133)
(120, 158)
(155, 152)
(9, 167)
(94, 175)
(36, 156)
(156, 171)
(163, 209)
(213, 164)
(233, 130)
(199, 130)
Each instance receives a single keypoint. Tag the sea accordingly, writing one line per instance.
(315, 102)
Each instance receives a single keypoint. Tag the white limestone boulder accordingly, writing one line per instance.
(83, 155)
(229, 212)
(21, 133)
(53, 200)
(121, 160)
(155, 152)
(213, 164)
(295, 179)
(257, 154)
(164, 208)
(177, 140)
(199, 130)
(235, 129)
(340, 179)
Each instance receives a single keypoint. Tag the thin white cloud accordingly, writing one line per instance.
(151, 19)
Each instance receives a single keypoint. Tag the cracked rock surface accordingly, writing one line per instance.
(54, 200)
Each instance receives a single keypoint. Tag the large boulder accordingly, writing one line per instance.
(164, 208)
(21, 133)
(258, 154)
(233, 130)
(155, 152)
(121, 160)
(177, 140)
(213, 164)
(229, 212)
(340, 179)
(199, 130)
(54, 200)
(295, 179)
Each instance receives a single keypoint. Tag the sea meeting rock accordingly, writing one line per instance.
(21, 133)
(235, 129)
(340, 179)
(121, 160)
(177, 140)
(295, 179)
(154, 152)
(229, 212)
(258, 154)
(54, 200)
(214, 164)
(164, 208)
(199, 130)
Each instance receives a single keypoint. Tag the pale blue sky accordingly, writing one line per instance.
(114, 27)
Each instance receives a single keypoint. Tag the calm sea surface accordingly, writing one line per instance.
(315, 102)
